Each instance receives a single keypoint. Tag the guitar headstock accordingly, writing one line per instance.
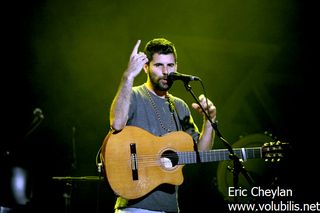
(274, 151)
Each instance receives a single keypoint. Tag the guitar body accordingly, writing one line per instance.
(136, 162)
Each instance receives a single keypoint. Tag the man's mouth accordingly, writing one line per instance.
(164, 80)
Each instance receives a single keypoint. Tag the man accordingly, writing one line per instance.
(151, 107)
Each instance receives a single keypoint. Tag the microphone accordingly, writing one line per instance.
(38, 117)
(38, 113)
(183, 77)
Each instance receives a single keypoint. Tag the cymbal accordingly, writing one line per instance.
(83, 178)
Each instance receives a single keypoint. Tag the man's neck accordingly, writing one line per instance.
(161, 94)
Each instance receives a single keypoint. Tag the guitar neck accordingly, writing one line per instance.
(218, 155)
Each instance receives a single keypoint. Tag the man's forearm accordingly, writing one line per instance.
(206, 137)
(120, 104)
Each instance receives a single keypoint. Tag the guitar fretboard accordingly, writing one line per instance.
(218, 155)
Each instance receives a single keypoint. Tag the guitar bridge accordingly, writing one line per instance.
(134, 161)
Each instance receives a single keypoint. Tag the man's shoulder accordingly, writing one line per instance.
(177, 99)
(138, 91)
(138, 88)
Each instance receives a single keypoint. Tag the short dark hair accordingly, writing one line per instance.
(160, 46)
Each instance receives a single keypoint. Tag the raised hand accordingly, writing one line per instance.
(207, 105)
(137, 61)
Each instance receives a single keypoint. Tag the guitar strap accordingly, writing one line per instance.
(173, 109)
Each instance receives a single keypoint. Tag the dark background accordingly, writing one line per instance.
(257, 60)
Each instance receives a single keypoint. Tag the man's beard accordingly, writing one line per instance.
(158, 84)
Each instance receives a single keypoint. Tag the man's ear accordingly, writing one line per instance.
(145, 68)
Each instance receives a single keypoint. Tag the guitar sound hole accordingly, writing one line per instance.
(169, 159)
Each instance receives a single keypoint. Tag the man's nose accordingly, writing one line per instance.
(165, 70)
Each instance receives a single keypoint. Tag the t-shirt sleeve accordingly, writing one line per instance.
(187, 123)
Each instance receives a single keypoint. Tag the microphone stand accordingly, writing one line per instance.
(69, 183)
(237, 162)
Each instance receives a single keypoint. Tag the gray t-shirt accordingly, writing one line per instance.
(158, 116)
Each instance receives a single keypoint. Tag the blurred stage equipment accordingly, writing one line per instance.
(69, 183)
(15, 180)
(263, 173)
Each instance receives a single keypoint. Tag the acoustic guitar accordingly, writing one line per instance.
(135, 161)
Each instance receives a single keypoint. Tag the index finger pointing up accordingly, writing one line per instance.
(136, 47)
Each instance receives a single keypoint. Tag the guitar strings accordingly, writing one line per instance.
(154, 160)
